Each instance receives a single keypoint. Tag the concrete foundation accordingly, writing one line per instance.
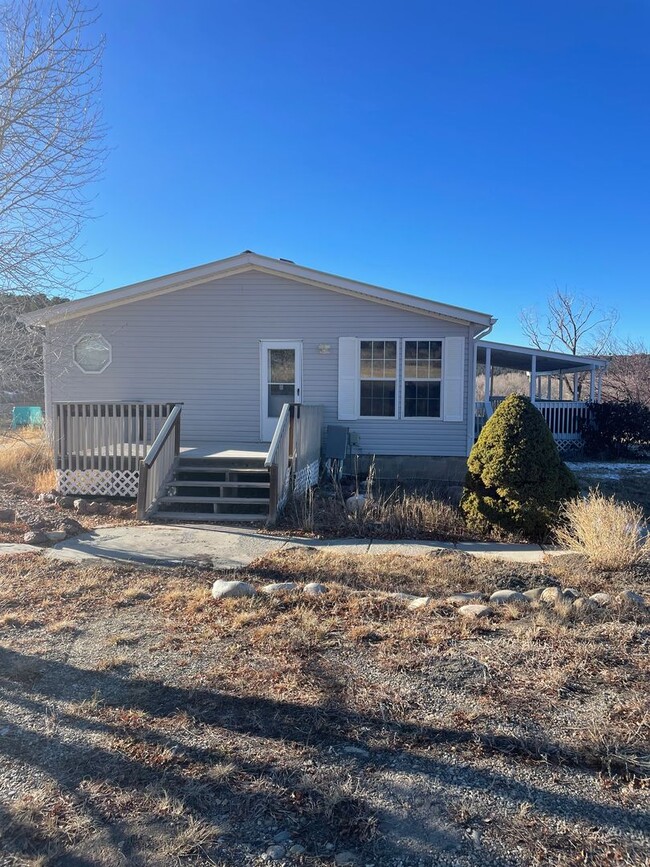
(411, 469)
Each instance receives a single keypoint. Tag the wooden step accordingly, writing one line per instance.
(206, 468)
(255, 501)
(207, 517)
(201, 483)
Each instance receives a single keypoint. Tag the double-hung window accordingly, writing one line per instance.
(422, 378)
(378, 378)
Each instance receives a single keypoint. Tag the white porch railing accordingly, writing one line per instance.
(563, 417)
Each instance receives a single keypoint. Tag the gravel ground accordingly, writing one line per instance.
(141, 722)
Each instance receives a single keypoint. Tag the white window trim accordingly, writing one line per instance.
(396, 341)
(84, 337)
(420, 418)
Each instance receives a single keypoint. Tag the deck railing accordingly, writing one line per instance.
(157, 467)
(113, 435)
(293, 459)
(564, 417)
(278, 461)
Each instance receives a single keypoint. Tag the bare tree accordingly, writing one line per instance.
(628, 374)
(571, 323)
(51, 142)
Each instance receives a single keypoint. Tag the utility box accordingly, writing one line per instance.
(27, 416)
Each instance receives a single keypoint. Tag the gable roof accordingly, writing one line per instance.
(248, 261)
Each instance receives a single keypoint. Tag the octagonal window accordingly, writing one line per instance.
(92, 353)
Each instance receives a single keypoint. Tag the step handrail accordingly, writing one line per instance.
(158, 464)
(278, 461)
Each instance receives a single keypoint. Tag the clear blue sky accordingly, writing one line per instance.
(473, 152)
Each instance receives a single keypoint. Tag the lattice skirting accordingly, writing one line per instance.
(306, 478)
(568, 446)
(105, 483)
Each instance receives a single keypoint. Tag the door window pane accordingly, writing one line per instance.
(279, 394)
(282, 365)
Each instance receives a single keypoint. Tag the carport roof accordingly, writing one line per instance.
(520, 358)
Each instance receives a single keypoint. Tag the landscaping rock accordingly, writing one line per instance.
(355, 504)
(297, 850)
(357, 751)
(282, 837)
(627, 597)
(35, 537)
(584, 605)
(533, 594)
(46, 498)
(56, 535)
(85, 507)
(70, 526)
(65, 502)
(281, 587)
(314, 589)
(419, 602)
(508, 597)
(601, 599)
(571, 592)
(404, 597)
(475, 610)
(551, 595)
(7, 516)
(464, 598)
(275, 853)
(123, 511)
(231, 589)
(345, 859)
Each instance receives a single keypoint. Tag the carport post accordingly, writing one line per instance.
(488, 374)
(533, 378)
(592, 383)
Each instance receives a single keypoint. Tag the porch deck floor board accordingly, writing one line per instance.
(224, 450)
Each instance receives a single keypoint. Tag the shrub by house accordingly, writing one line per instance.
(516, 479)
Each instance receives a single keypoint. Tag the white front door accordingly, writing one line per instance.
(281, 380)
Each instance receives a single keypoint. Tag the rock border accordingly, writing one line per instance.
(473, 603)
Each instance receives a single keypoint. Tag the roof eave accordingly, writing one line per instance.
(238, 264)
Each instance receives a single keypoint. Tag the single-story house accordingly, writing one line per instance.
(205, 392)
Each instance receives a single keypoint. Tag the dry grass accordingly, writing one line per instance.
(398, 514)
(610, 534)
(26, 459)
(234, 720)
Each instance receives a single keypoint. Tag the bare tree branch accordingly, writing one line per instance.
(571, 323)
(51, 142)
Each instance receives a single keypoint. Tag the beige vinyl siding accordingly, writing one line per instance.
(201, 346)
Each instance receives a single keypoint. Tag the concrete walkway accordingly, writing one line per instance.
(225, 547)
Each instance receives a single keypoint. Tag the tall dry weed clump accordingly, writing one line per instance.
(397, 514)
(610, 534)
(26, 459)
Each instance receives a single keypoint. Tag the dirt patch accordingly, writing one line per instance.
(141, 722)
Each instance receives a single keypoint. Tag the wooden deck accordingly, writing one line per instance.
(225, 450)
